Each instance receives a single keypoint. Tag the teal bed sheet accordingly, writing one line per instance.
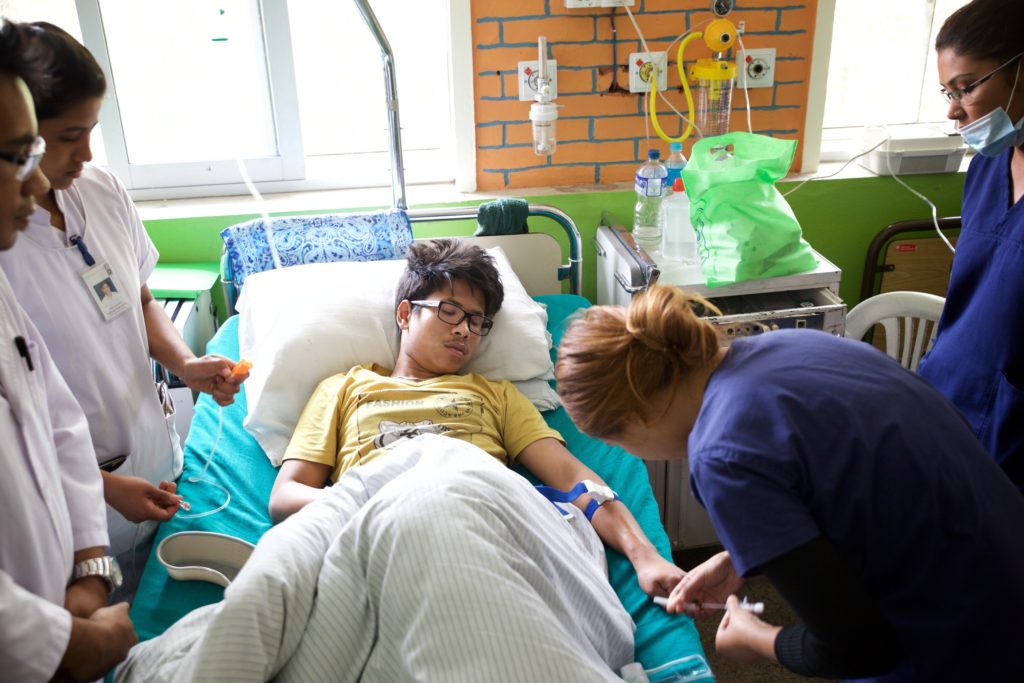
(240, 466)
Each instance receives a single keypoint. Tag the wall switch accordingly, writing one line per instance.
(756, 68)
(642, 66)
(529, 74)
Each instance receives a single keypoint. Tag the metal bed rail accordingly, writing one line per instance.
(572, 270)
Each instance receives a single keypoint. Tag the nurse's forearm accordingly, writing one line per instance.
(165, 344)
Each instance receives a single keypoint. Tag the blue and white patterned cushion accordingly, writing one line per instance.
(326, 238)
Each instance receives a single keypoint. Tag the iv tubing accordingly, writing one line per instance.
(201, 479)
(263, 210)
(652, 103)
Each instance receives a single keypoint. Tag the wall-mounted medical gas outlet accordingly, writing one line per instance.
(641, 70)
(756, 68)
(528, 79)
(576, 4)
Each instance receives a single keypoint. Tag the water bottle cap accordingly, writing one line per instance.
(675, 147)
(653, 154)
(677, 185)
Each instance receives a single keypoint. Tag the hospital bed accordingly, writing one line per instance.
(242, 468)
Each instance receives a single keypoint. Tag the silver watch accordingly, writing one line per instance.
(104, 567)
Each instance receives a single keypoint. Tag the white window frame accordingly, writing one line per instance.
(819, 147)
(285, 172)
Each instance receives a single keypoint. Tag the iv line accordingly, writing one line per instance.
(260, 202)
(201, 479)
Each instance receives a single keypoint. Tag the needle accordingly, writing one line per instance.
(755, 607)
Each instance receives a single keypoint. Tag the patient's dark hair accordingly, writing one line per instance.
(431, 266)
(71, 73)
(985, 29)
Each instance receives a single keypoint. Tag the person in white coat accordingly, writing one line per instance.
(54, 622)
(84, 233)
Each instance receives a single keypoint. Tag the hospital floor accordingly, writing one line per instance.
(776, 611)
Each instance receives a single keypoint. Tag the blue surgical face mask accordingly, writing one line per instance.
(994, 133)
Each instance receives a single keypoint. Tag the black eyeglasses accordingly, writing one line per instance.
(26, 163)
(959, 93)
(453, 314)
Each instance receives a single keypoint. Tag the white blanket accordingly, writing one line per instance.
(432, 563)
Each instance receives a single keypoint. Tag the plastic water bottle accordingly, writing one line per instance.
(680, 242)
(675, 163)
(647, 216)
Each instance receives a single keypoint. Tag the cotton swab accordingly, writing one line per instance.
(754, 607)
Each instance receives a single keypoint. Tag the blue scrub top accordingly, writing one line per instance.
(978, 357)
(803, 434)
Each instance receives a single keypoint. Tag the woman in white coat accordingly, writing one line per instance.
(86, 232)
(52, 624)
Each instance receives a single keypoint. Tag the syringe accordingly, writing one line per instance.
(754, 607)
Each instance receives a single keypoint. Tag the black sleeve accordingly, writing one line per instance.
(843, 634)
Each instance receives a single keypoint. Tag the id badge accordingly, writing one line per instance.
(105, 290)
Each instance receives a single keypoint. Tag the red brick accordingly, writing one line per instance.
(798, 18)
(795, 93)
(487, 86)
(501, 58)
(597, 105)
(779, 119)
(583, 152)
(556, 29)
(488, 33)
(489, 136)
(555, 176)
(508, 157)
(757, 21)
(618, 173)
(504, 110)
(575, 81)
(616, 128)
(522, 133)
(480, 9)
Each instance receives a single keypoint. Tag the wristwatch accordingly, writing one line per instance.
(104, 567)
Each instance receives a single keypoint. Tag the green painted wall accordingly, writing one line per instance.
(839, 219)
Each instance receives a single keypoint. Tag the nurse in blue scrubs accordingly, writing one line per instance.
(978, 357)
(853, 485)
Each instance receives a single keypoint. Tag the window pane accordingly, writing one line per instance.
(933, 105)
(340, 78)
(60, 13)
(191, 79)
(877, 46)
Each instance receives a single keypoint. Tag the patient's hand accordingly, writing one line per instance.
(709, 582)
(138, 500)
(657, 576)
(212, 375)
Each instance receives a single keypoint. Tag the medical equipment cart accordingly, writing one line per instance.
(806, 300)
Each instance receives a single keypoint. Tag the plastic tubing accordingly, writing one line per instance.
(653, 103)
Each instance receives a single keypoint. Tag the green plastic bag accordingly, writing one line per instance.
(745, 228)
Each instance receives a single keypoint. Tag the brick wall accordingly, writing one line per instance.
(602, 136)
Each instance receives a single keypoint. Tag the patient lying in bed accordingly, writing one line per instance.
(428, 559)
(445, 302)
(433, 563)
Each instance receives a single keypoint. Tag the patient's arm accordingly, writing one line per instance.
(554, 465)
(298, 483)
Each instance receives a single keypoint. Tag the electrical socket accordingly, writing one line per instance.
(756, 68)
(641, 68)
(528, 74)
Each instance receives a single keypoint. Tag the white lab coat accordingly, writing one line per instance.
(51, 500)
(106, 362)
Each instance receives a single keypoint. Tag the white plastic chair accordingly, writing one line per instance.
(910, 320)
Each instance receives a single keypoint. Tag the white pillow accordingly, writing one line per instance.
(302, 324)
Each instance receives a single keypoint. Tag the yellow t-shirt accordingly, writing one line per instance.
(356, 416)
